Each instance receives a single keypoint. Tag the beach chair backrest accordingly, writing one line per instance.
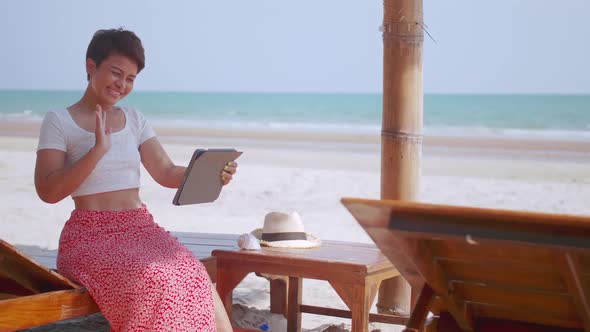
(20, 275)
(33, 295)
(484, 264)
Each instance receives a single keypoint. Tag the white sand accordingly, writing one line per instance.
(309, 177)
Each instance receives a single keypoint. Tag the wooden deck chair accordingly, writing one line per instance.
(31, 294)
(483, 269)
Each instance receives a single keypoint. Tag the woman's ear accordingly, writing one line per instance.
(90, 67)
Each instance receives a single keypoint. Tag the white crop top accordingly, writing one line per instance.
(118, 169)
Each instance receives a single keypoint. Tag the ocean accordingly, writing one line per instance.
(553, 116)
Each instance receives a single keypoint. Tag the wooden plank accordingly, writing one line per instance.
(420, 310)
(501, 274)
(376, 318)
(495, 325)
(418, 228)
(578, 290)
(10, 286)
(481, 310)
(513, 253)
(29, 311)
(19, 267)
(554, 305)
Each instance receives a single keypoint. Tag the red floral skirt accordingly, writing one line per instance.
(141, 277)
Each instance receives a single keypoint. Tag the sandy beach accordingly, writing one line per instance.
(309, 173)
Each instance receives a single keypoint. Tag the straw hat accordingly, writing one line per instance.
(282, 230)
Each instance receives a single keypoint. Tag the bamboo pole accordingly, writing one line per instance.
(401, 135)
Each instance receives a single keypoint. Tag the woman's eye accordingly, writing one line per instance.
(115, 73)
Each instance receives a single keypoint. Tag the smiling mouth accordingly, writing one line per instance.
(114, 93)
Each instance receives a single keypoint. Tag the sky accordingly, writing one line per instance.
(508, 46)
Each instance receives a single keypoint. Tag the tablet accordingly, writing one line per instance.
(202, 179)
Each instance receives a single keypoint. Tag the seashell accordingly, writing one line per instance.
(248, 242)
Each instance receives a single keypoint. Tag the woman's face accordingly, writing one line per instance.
(113, 79)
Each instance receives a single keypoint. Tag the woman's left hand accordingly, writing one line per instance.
(228, 172)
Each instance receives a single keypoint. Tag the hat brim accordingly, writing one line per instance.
(310, 242)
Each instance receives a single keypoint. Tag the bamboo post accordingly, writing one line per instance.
(401, 135)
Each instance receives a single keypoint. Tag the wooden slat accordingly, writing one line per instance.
(558, 306)
(483, 310)
(19, 267)
(501, 274)
(378, 318)
(10, 286)
(478, 234)
(29, 311)
(511, 253)
(495, 325)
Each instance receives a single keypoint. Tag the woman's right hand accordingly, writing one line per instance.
(101, 132)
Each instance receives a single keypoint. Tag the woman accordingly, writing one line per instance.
(140, 276)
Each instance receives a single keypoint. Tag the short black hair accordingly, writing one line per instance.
(106, 42)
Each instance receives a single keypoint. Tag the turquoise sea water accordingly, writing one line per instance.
(528, 115)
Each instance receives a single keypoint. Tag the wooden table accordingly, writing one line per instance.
(354, 270)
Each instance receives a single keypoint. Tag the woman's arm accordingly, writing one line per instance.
(157, 162)
(54, 181)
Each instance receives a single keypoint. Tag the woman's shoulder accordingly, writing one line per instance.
(131, 112)
(135, 119)
(59, 112)
(54, 115)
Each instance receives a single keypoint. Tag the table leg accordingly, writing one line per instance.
(360, 308)
(227, 280)
(294, 299)
(278, 296)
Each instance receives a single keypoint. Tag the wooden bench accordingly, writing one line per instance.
(483, 269)
(32, 293)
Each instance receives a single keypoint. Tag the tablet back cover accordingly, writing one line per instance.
(202, 180)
